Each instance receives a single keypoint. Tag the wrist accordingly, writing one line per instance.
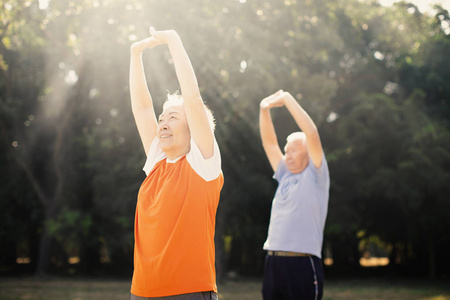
(172, 36)
(264, 107)
(136, 53)
(289, 99)
(136, 49)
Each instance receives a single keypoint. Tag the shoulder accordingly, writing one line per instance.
(209, 169)
(322, 172)
(154, 155)
(281, 171)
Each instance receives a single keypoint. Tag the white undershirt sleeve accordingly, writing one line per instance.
(209, 169)
(154, 155)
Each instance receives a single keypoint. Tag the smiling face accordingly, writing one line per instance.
(173, 131)
(296, 153)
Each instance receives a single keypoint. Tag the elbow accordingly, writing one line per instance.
(312, 131)
(269, 144)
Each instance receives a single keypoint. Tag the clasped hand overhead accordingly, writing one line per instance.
(156, 38)
(277, 99)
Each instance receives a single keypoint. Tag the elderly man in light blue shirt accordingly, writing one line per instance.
(293, 266)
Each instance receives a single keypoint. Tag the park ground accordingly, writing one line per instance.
(30, 288)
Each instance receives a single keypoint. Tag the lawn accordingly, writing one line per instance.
(86, 289)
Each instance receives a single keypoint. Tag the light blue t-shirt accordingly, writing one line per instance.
(299, 209)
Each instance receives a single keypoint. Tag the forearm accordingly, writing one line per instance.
(139, 93)
(307, 125)
(301, 117)
(269, 138)
(141, 101)
(183, 68)
(266, 128)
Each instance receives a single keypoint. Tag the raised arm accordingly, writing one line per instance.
(267, 131)
(201, 131)
(141, 100)
(305, 123)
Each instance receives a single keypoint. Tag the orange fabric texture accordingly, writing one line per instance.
(174, 232)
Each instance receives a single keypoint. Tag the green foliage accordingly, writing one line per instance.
(374, 79)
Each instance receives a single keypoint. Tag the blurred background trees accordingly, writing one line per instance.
(375, 79)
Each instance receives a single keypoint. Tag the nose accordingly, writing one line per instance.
(163, 125)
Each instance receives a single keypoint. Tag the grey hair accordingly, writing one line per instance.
(177, 99)
(296, 136)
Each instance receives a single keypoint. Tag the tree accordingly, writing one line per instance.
(72, 156)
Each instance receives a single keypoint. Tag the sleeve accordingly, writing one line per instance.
(209, 169)
(323, 175)
(281, 170)
(154, 155)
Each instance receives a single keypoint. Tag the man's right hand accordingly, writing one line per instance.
(274, 100)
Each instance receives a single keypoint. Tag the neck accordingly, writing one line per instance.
(174, 154)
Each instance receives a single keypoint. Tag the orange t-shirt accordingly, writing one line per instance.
(174, 231)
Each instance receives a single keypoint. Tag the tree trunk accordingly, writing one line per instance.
(431, 260)
(43, 262)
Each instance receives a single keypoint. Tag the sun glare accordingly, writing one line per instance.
(43, 4)
(424, 6)
(374, 261)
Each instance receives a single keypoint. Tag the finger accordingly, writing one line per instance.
(275, 94)
(152, 42)
(147, 43)
(279, 97)
(147, 40)
(268, 98)
(152, 30)
(276, 97)
(264, 104)
(277, 100)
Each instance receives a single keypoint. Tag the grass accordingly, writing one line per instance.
(86, 289)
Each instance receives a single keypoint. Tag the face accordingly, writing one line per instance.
(173, 131)
(296, 155)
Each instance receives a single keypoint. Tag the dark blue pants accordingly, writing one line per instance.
(289, 278)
